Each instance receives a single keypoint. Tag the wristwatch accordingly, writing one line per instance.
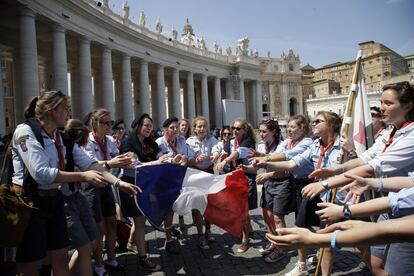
(346, 212)
(352, 155)
(325, 184)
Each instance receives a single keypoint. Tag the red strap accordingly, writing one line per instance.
(391, 137)
(172, 146)
(322, 151)
(268, 148)
(102, 146)
(58, 146)
(292, 144)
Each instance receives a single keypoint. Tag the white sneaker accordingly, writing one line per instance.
(298, 270)
(312, 260)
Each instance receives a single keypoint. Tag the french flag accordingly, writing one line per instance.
(221, 199)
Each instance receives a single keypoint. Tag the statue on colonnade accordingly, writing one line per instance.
(142, 19)
(125, 8)
(158, 26)
(242, 45)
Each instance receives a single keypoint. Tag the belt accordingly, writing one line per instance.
(53, 192)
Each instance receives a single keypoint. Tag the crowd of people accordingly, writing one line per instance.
(82, 175)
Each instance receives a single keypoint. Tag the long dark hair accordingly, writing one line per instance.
(273, 126)
(149, 145)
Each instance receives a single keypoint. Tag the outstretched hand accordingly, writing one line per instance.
(356, 188)
(322, 173)
(293, 237)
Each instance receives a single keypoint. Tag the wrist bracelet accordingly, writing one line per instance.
(333, 239)
(267, 158)
(343, 169)
(116, 183)
(380, 185)
(107, 165)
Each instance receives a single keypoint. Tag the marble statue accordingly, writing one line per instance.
(242, 45)
(215, 47)
(125, 8)
(203, 44)
(158, 26)
(174, 33)
(142, 19)
(228, 50)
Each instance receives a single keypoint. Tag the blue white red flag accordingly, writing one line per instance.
(221, 199)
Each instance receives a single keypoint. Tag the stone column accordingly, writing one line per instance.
(284, 107)
(189, 99)
(204, 98)
(97, 91)
(300, 100)
(241, 92)
(144, 99)
(217, 103)
(74, 91)
(127, 112)
(259, 101)
(119, 105)
(160, 97)
(29, 77)
(135, 79)
(85, 77)
(2, 110)
(60, 65)
(242, 96)
(229, 89)
(106, 80)
(175, 94)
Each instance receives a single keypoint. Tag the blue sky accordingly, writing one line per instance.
(320, 31)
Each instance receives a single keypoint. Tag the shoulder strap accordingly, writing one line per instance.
(7, 167)
(69, 144)
(70, 163)
(29, 184)
(36, 128)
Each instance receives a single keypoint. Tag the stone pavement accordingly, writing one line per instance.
(222, 258)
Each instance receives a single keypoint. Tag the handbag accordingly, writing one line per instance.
(123, 232)
(15, 209)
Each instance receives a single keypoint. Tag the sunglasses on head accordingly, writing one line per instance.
(108, 123)
(317, 121)
(237, 128)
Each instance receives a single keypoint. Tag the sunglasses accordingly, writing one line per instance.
(317, 121)
(376, 115)
(226, 133)
(237, 128)
(107, 123)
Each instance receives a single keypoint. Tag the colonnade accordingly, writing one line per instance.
(134, 86)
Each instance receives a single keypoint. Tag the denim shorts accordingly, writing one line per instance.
(79, 219)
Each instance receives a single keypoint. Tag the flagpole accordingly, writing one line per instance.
(344, 132)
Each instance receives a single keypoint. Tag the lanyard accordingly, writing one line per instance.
(322, 151)
(102, 146)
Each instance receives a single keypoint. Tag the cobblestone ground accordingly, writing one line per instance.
(222, 258)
